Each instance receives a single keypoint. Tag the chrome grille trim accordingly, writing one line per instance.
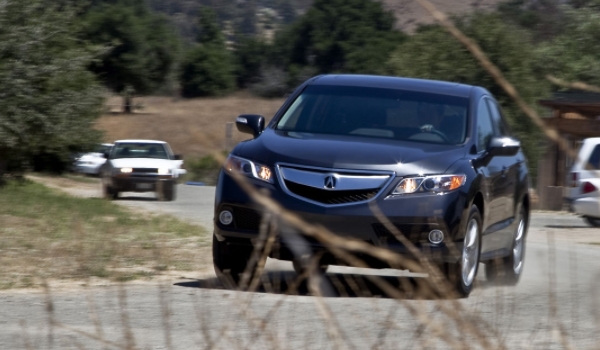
(382, 179)
(343, 182)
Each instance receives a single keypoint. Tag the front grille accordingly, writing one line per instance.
(145, 170)
(246, 219)
(414, 233)
(331, 197)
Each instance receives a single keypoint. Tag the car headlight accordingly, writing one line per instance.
(430, 184)
(126, 170)
(163, 171)
(249, 168)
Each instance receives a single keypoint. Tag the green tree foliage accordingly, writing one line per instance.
(432, 53)
(352, 36)
(250, 55)
(141, 47)
(48, 98)
(574, 55)
(207, 69)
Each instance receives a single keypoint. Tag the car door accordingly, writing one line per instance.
(505, 185)
(491, 170)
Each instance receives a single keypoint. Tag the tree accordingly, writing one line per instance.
(574, 55)
(351, 36)
(141, 47)
(48, 99)
(250, 54)
(432, 53)
(207, 69)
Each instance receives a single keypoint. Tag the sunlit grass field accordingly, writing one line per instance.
(45, 234)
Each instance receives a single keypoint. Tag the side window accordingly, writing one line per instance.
(594, 161)
(498, 121)
(485, 131)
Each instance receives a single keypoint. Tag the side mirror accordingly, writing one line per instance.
(177, 156)
(503, 146)
(105, 155)
(250, 124)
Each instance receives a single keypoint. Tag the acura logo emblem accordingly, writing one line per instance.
(330, 182)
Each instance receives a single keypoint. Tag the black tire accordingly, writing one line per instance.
(594, 222)
(109, 193)
(167, 191)
(300, 269)
(463, 283)
(230, 261)
(508, 270)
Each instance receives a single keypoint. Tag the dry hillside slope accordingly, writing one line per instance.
(410, 14)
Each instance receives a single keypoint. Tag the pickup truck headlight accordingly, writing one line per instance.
(430, 184)
(164, 171)
(126, 170)
(249, 168)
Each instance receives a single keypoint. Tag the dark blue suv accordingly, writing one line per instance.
(437, 159)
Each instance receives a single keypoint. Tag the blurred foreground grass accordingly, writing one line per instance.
(45, 234)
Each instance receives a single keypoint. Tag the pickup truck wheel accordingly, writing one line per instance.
(109, 193)
(508, 270)
(167, 192)
(230, 261)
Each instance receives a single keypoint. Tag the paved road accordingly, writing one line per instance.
(559, 288)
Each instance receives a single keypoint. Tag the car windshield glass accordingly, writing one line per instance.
(140, 150)
(378, 113)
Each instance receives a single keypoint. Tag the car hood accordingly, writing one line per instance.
(92, 157)
(145, 163)
(350, 152)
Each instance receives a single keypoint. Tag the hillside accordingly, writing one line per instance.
(410, 14)
(263, 16)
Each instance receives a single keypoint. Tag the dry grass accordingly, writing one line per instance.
(194, 127)
(45, 234)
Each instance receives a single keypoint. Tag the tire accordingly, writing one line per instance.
(594, 222)
(109, 193)
(461, 275)
(167, 192)
(230, 261)
(508, 270)
(299, 268)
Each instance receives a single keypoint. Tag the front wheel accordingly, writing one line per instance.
(230, 261)
(461, 275)
(508, 270)
(109, 193)
(167, 191)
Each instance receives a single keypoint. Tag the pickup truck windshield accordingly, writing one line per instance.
(140, 150)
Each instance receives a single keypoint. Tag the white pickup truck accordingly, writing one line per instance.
(141, 166)
(583, 194)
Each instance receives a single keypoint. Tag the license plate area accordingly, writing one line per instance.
(144, 186)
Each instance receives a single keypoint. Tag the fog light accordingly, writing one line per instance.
(436, 236)
(226, 218)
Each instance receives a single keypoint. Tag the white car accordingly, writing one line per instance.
(90, 163)
(141, 166)
(583, 195)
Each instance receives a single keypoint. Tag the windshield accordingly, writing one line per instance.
(140, 150)
(379, 113)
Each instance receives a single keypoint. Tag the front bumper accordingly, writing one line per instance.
(141, 183)
(413, 215)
